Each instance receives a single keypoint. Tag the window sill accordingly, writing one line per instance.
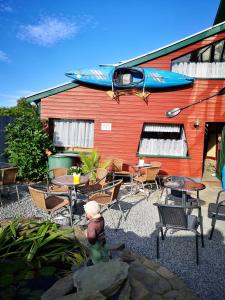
(164, 156)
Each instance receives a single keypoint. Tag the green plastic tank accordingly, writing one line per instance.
(60, 161)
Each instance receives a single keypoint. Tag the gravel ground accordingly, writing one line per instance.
(138, 233)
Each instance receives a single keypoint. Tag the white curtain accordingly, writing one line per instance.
(166, 147)
(200, 70)
(73, 133)
(161, 128)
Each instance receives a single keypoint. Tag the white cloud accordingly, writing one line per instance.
(5, 7)
(48, 31)
(3, 56)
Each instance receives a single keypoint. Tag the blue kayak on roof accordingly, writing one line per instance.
(129, 77)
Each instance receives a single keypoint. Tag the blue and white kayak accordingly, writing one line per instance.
(125, 78)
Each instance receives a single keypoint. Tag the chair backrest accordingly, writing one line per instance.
(9, 176)
(38, 197)
(117, 165)
(151, 173)
(56, 172)
(115, 189)
(172, 216)
(156, 164)
(101, 175)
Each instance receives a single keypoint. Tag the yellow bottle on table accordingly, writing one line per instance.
(76, 178)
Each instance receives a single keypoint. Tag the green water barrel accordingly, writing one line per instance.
(60, 161)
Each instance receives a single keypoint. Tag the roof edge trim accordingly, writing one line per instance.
(51, 91)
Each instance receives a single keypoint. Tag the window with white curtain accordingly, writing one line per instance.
(163, 140)
(73, 133)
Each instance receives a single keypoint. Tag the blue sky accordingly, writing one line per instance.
(40, 40)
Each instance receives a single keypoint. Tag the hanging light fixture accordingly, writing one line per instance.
(175, 111)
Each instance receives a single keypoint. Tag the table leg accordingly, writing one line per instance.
(71, 206)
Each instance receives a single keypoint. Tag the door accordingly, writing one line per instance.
(220, 153)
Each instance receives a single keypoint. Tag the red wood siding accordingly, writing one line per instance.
(127, 116)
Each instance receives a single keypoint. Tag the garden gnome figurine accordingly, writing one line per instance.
(95, 232)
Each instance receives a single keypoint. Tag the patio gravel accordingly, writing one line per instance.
(177, 252)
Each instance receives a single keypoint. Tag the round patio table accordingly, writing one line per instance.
(67, 180)
(184, 186)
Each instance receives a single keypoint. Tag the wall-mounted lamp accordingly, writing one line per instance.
(175, 111)
(197, 123)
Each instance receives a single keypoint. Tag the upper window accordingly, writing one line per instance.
(207, 62)
(163, 140)
(73, 133)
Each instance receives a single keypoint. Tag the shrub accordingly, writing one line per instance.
(26, 145)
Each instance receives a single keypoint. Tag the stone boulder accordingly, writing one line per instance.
(106, 277)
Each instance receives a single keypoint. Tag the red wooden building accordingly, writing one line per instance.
(86, 117)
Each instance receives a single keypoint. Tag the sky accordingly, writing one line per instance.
(40, 40)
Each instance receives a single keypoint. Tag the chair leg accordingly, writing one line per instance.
(213, 227)
(202, 236)
(157, 245)
(109, 210)
(122, 214)
(17, 191)
(162, 234)
(196, 243)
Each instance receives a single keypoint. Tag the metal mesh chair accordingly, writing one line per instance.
(175, 217)
(108, 197)
(48, 202)
(9, 179)
(216, 211)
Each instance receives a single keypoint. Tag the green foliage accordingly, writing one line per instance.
(90, 162)
(30, 250)
(26, 144)
(22, 107)
(39, 243)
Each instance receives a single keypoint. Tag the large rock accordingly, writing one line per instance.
(62, 287)
(83, 296)
(106, 277)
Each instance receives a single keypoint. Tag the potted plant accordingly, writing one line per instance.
(141, 161)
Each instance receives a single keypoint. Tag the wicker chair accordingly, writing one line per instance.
(175, 217)
(56, 172)
(108, 197)
(148, 178)
(118, 169)
(9, 179)
(87, 189)
(48, 202)
(216, 211)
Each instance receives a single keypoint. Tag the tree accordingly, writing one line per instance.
(27, 143)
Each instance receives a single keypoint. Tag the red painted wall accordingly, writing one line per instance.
(127, 116)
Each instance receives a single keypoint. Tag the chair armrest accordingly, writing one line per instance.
(107, 187)
(219, 194)
(47, 194)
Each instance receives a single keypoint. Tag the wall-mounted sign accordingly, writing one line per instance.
(106, 126)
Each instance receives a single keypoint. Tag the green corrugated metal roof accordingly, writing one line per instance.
(175, 46)
(52, 91)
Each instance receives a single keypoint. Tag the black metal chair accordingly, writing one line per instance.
(216, 211)
(176, 218)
